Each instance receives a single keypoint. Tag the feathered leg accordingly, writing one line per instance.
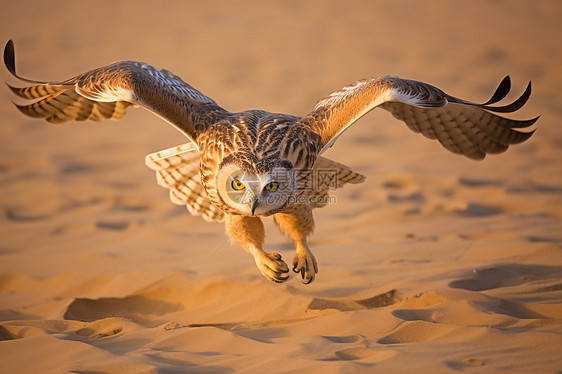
(298, 224)
(249, 233)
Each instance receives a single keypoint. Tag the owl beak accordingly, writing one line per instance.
(255, 204)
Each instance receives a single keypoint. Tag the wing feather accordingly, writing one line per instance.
(338, 175)
(38, 91)
(106, 92)
(461, 126)
(177, 169)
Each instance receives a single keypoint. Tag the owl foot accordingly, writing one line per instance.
(272, 266)
(305, 264)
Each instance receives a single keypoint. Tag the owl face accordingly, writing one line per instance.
(254, 192)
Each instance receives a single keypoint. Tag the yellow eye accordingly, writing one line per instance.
(272, 187)
(237, 185)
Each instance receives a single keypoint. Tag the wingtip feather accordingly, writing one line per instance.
(514, 106)
(9, 57)
(523, 136)
(10, 62)
(503, 89)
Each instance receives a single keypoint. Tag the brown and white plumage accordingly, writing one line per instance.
(177, 169)
(460, 126)
(238, 167)
(106, 92)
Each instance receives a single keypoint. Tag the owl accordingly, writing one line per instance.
(241, 167)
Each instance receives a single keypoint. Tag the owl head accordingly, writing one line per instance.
(255, 187)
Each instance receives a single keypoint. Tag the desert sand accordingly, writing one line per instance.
(435, 264)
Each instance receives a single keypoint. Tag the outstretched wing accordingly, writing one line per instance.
(106, 92)
(460, 126)
(177, 169)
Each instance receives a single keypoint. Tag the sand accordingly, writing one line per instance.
(435, 264)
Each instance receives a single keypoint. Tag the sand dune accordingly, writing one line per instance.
(434, 264)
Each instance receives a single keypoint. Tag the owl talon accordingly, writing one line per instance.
(272, 267)
(305, 264)
(275, 256)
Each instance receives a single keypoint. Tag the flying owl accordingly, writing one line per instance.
(240, 167)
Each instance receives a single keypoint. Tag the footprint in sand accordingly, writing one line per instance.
(75, 168)
(415, 332)
(505, 275)
(419, 307)
(364, 353)
(465, 364)
(105, 328)
(112, 225)
(361, 350)
(351, 354)
(344, 339)
(135, 307)
(12, 332)
(343, 305)
(17, 216)
(497, 295)
(98, 334)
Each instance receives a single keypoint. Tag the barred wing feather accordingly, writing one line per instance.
(461, 126)
(106, 93)
(177, 169)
